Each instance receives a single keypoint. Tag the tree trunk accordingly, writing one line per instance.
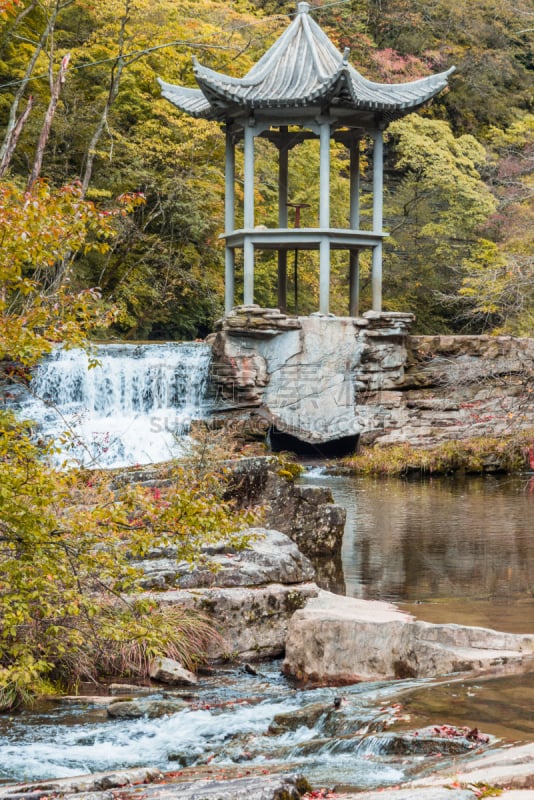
(116, 74)
(47, 124)
(13, 139)
(12, 121)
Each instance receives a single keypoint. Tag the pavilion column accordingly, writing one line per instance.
(229, 221)
(283, 172)
(354, 263)
(248, 247)
(378, 189)
(324, 219)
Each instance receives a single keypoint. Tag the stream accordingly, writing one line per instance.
(446, 549)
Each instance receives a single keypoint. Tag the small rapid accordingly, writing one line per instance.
(123, 405)
(229, 723)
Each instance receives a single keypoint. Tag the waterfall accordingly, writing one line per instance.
(134, 407)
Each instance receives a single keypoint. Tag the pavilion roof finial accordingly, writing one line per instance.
(303, 8)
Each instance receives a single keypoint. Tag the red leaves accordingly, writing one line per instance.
(451, 732)
(393, 65)
(9, 6)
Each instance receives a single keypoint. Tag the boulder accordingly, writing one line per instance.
(336, 640)
(298, 717)
(253, 621)
(307, 514)
(167, 670)
(317, 527)
(271, 557)
(134, 709)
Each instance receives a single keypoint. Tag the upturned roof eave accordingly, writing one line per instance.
(221, 95)
(278, 82)
(191, 101)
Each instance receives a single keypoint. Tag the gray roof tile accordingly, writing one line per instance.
(302, 68)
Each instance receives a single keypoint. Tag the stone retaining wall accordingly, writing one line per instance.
(325, 379)
(457, 387)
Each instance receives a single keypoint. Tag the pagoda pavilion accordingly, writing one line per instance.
(302, 88)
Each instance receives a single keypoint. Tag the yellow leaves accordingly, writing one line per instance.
(73, 536)
(520, 133)
(42, 230)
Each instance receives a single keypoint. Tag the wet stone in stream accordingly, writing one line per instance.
(258, 723)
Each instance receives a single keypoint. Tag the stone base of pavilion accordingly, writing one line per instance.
(303, 377)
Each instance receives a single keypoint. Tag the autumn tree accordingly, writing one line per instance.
(490, 43)
(69, 601)
(498, 286)
(434, 211)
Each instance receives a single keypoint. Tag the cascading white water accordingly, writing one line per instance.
(132, 408)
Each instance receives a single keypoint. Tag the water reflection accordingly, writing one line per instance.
(447, 549)
(502, 706)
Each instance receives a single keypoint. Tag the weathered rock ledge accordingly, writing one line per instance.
(151, 783)
(307, 514)
(250, 596)
(298, 379)
(341, 640)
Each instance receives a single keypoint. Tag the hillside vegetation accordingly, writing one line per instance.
(459, 178)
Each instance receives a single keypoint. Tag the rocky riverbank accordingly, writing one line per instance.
(471, 771)
(264, 602)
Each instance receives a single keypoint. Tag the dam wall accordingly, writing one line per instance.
(326, 382)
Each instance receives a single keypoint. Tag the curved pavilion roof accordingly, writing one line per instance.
(302, 69)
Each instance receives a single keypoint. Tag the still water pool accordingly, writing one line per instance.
(445, 549)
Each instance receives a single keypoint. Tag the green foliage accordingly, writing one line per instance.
(69, 599)
(69, 596)
(39, 304)
(468, 455)
(498, 282)
(434, 213)
(164, 271)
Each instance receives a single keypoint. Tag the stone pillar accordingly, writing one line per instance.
(229, 221)
(378, 188)
(354, 262)
(283, 160)
(248, 215)
(324, 219)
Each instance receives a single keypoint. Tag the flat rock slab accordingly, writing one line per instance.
(100, 787)
(96, 782)
(511, 768)
(337, 640)
(411, 794)
(264, 787)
